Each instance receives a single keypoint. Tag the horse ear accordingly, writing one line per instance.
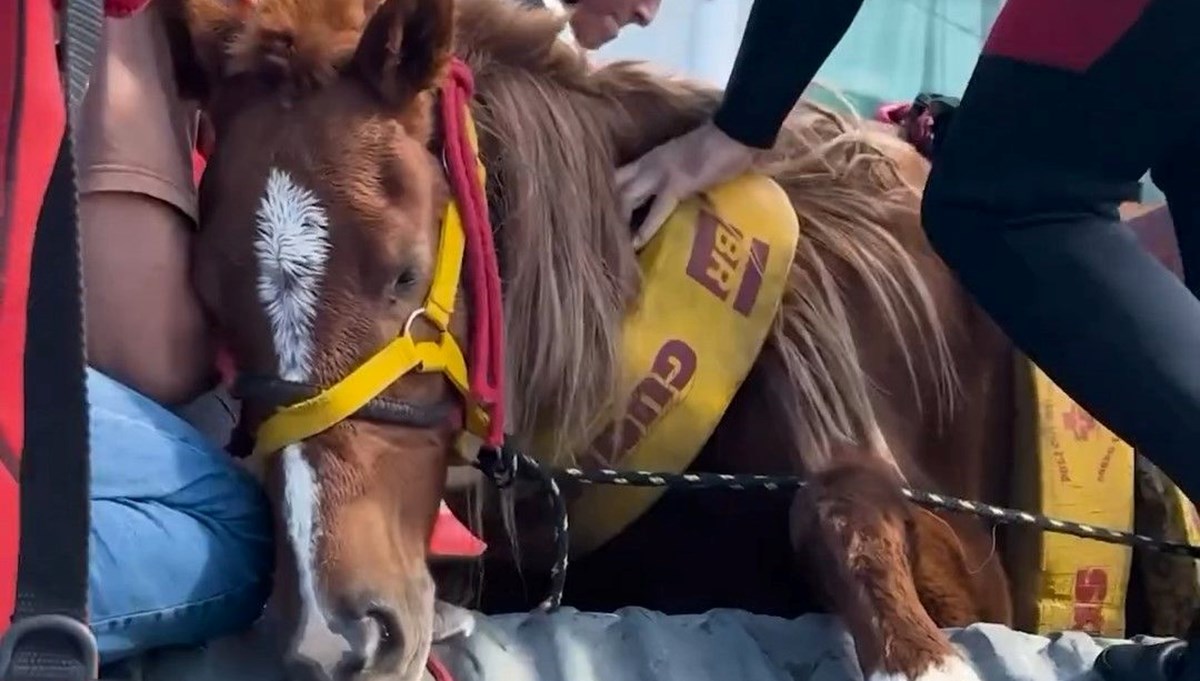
(406, 48)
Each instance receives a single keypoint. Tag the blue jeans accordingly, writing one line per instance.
(181, 544)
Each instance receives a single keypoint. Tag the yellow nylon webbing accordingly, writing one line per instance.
(307, 418)
(402, 355)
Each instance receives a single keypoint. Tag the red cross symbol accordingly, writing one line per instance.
(1079, 422)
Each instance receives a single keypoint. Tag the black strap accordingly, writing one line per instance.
(49, 639)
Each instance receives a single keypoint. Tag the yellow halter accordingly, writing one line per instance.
(297, 422)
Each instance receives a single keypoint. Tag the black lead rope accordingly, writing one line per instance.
(49, 639)
(505, 466)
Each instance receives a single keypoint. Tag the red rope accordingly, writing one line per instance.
(486, 351)
(437, 670)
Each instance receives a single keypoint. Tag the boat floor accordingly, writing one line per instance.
(639, 645)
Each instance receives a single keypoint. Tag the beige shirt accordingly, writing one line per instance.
(136, 134)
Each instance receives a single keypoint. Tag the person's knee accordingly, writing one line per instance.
(941, 217)
(161, 576)
(181, 538)
(141, 450)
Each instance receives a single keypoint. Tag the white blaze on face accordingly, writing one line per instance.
(291, 247)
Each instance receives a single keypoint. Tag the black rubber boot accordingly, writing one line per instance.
(1170, 661)
(1141, 662)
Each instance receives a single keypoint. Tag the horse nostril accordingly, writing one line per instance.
(391, 638)
(351, 665)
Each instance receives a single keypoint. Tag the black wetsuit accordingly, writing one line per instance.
(1070, 104)
(785, 43)
(1056, 128)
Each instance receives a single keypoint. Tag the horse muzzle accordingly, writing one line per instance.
(373, 639)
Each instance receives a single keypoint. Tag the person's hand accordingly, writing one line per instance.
(676, 171)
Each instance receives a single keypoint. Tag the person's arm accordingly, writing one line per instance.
(785, 42)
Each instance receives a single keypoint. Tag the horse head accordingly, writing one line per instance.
(320, 241)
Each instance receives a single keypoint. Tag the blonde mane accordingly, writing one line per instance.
(553, 129)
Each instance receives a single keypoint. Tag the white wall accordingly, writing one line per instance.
(895, 49)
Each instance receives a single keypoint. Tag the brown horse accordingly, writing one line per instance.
(321, 219)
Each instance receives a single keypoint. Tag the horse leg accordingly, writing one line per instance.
(956, 585)
(958, 573)
(857, 525)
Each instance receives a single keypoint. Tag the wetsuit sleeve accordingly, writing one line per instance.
(785, 42)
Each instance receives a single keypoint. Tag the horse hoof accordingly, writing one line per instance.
(952, 668)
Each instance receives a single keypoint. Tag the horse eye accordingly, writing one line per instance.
(404, 281)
